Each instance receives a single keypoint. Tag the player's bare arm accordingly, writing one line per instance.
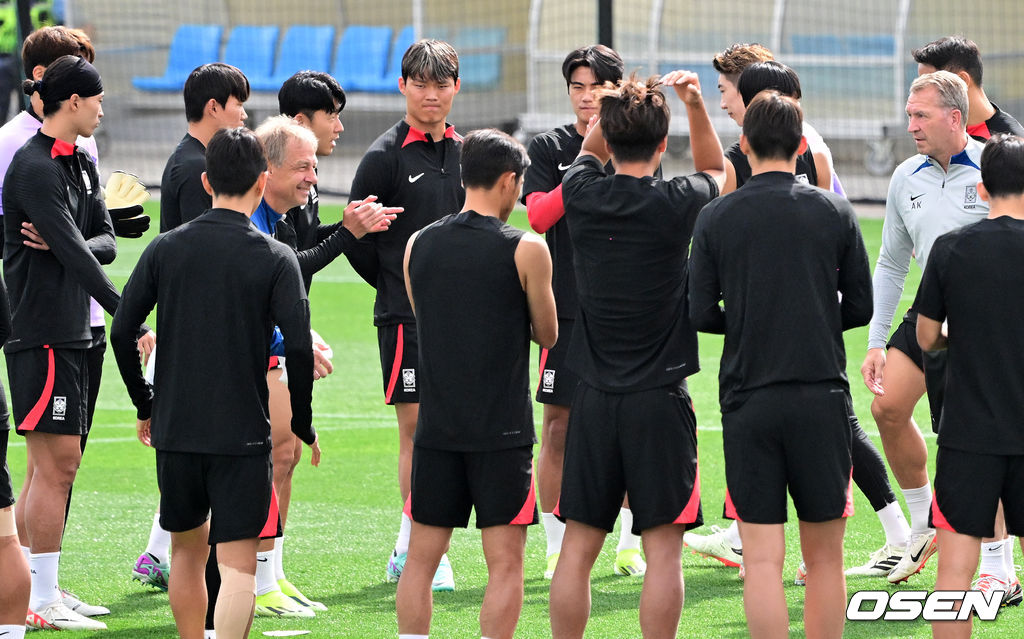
(405, 270)
(533, 260)
(930, 335)
(704, 143)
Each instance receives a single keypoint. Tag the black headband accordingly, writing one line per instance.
(62, 81)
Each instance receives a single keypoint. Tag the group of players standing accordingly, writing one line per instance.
(614, 300)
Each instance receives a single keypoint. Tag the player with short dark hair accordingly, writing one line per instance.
(480, 289)
(413, 165)
(585, 70)
(53, 186)
(630, 232)
(782, 382)
(930, 193)
(214, 94)
(220, 285)
(971, 291)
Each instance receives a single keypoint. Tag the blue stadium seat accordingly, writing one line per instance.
(303, 47)
(879, 44)
(362, 56)
(251, 49)
(823, 44)
(479, 70)
(388, 83)
(193, 45)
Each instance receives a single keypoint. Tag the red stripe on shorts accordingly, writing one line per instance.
(543, 361)
(938, 519)
(270, 528)
(32, 419)
(525, 515)
(848, 510)
(689, 514)
(272, 364)
(396, 365)
(407, 508)
(730, 509)
(555, 511)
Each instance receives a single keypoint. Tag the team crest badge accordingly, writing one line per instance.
(970, 196)
(60, 408)
(409, 379)
(548, 381)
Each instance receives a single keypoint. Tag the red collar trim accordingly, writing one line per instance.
(979, 131)
(60, 147)
(415, 135)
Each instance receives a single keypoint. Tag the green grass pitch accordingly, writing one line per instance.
(345, 514)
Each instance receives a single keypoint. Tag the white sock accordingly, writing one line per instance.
(279, 558)
(897, 531)
(732, 535)
(44, 579)
(402, 545)
(12, 632)
(919, 504)
(992, 560)
(25, 551)
(554, 530)
(1008, 544)
(627, 540)
(265, 580)
(159, 541)
(209, 634)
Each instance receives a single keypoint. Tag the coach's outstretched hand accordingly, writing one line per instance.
(368, 216)
(125, 194)
(686, 84)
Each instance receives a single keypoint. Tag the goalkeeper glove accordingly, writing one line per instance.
(124, 195)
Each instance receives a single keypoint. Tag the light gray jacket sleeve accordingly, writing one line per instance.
(892, 266)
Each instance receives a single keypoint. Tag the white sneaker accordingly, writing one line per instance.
(920, 547)
(880, 563)
(57, 616)
(715, 546)
(86, 610)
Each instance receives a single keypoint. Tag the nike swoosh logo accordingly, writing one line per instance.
(564, 167)
(916, 557)
(738, 551)
(413, 179)
(262, 560)
(914, 197)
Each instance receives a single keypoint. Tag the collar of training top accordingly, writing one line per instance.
(60, 147)
(415, 135)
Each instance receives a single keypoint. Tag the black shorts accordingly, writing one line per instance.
(557, 383)
(50, 390)
(6, 487)
(399, 361)
(933, 365)
(446, 485)
(235, 491)
(789, 435)
(644, 443)
(968, 487)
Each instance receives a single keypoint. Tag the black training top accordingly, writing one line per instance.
(1000, 122)
(630, 238)
(5, 332)
(806, 171)
(779, 253)
(220, 285)
(473, 325)
(55, 186)
(551, 155)
(404, 167)
(316, 245)
(182, 196)
(975, 281)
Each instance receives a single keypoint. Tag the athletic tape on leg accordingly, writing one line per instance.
(235, 603)
(7, 526)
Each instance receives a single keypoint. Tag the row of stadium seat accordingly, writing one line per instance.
(366, 58)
